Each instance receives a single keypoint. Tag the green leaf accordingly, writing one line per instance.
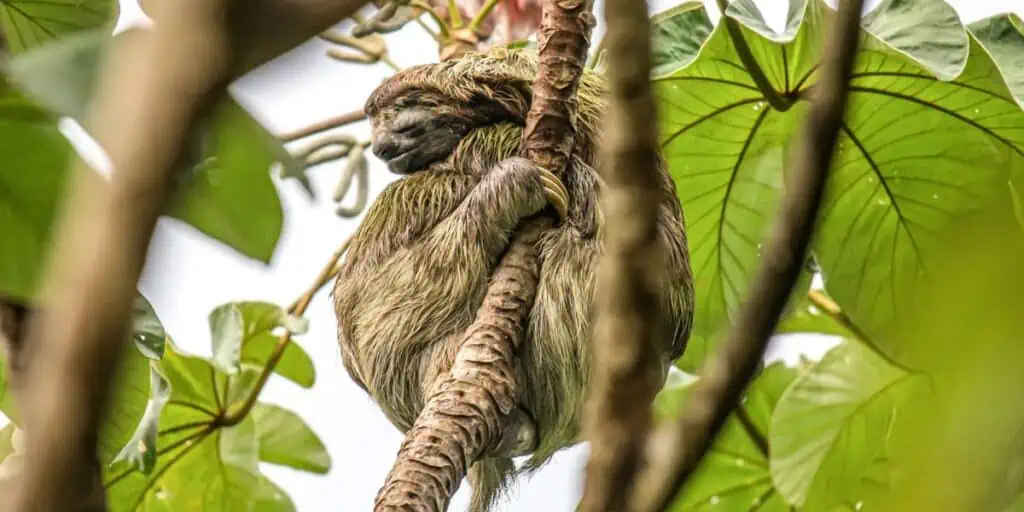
(271, 498)
(734, 475)
(141, 449)
(1003, 36)
(147, 331)
(60, 74)
(30, 23)
(830, 426)
(32, 178)
(677, 35)
(295, 364)
(285, 439)
(927, 31)
(231, 197)
(202, 464)
(914, 151)
(236, 324)
(228, 193)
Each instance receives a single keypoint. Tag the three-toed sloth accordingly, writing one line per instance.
(418, 267)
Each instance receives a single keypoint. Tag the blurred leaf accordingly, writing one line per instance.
(140, 451)
(147, 331)
(32, 177)
(231, 197)
(228, 193)
(286, 440)
(734, 475)
(236, 324)
(202, 464)
(927, 31)
(914, 151)
(11, 446)
(295, 364)
(60, 74)
(30, 23)
(957, 446)
(831, 425)
(1003, 36)
(6, 446)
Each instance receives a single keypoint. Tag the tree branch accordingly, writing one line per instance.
(627, 363)
(676, 452)
(142, 117)
(473, 412)
(327, 124)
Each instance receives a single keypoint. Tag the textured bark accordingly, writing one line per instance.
(469, 415)
(562, 43)
(144, 113)
(675, 453)
(466, 415)
(627, 361)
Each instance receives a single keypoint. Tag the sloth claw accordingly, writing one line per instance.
(555, 193)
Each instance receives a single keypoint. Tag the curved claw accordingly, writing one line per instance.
(556, 193)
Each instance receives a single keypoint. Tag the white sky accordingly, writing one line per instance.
(188, 275)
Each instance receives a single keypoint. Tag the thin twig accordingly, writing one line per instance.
(327, 124)
(481, 16)
(238, 413)
(627, 365)
(676, 452)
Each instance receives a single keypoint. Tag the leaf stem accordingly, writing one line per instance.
(777, 101)
(454, 14)
(482, 15)
(755, 433)
(235, 415)
(327, 124)
(832, 309)
(442, 27)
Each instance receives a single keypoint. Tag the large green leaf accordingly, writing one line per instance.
(831, 426)
(1003, 37)
(285, 439)
(33, 162)
(228, 193)
(30, 23)
(735, 475)
(914, 151)
(202, 464)
(677, 35)
(245, 332)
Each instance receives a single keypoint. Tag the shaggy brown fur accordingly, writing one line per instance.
(419, 265)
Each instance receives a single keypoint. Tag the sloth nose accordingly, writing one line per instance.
(386, 146)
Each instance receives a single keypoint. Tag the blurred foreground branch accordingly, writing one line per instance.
(627, 363)
(675, 453)
(142, 116)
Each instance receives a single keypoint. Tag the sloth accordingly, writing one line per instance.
(418, 267)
